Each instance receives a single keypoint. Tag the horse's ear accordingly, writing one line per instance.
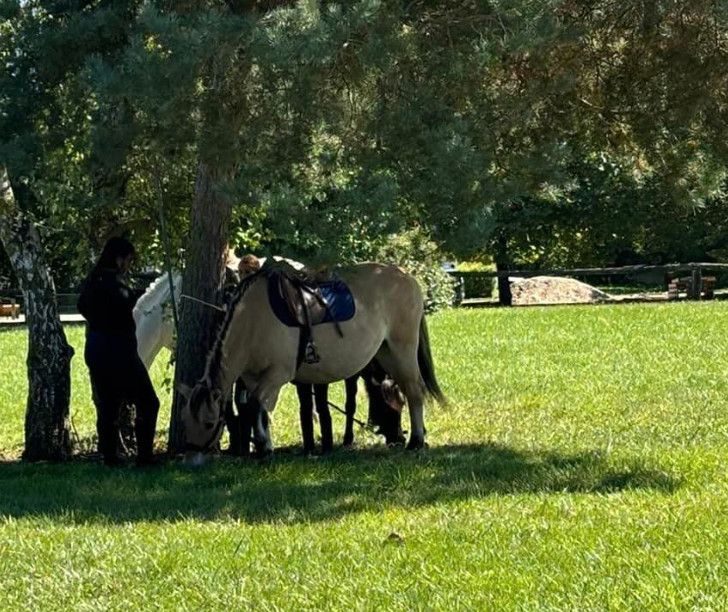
(184, 390)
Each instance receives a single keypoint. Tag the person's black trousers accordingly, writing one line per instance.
(117, 376)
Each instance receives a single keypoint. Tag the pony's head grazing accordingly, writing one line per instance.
(202, 416)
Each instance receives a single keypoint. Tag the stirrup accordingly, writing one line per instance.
(310, 353)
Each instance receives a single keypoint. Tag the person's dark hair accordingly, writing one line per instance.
(114, 247)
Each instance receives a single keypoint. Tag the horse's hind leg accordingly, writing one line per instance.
(400, 362)
(350, 406)
(322, 407)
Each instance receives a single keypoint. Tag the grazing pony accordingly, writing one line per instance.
(385, 408)
(253, 344)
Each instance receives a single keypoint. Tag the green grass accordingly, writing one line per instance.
(581, 464)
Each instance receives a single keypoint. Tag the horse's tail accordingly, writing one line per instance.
(427, 365)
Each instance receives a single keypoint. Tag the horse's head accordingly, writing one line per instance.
(203, 416)
(154, 318)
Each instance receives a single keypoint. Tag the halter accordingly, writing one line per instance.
(216, 432)
(204, 448)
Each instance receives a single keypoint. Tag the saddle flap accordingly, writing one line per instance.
(293, 299)
(304, 302)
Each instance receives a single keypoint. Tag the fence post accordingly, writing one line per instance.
(697, 284)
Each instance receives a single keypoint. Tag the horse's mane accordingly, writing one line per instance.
(215, 355)
(156, 293)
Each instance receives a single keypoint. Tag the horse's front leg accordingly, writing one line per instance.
(350, 407)
(261, 431)
(305, 403)
(246, 418)
(232, 422)
(393, 434)
(321, 393)
(264, 399)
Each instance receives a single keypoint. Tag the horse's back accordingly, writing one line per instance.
(385, 279)
(388, 290)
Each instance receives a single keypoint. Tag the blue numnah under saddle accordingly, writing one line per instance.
(336, 293)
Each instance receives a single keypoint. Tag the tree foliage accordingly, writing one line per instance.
(344, 122)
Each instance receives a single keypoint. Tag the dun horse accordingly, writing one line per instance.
(155, 330)
(253, 344)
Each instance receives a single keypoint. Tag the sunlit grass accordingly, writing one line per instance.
(580, 464)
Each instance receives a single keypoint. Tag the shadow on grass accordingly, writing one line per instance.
(292, 489)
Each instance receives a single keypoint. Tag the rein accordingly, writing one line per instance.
(361, 424)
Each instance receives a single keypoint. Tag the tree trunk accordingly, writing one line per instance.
(47, 433)
(203, 279)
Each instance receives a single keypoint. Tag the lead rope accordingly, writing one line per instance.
(203, 302)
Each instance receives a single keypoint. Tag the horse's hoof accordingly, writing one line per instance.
(193, 459)
(416, 444)
(265, 454)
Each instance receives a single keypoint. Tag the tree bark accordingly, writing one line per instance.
(47, 432)
(203, 279)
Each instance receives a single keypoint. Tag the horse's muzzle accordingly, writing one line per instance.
(194, 458)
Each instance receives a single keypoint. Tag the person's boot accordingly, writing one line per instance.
(114, 461)
(145, 443)
(109, 445)
(148, 461)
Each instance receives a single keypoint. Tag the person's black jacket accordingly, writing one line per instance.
(107, 304)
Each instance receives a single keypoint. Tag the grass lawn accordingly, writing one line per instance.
(580, 465)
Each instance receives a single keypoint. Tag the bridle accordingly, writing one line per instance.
(216, 433)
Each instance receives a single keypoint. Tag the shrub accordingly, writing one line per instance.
(416, 253)
(477, 286)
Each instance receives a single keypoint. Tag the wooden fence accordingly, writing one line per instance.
(661, 273)
(694, 270)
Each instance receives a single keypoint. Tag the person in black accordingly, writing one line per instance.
(117, 373)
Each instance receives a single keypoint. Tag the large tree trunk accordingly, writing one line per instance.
(47, 435)
(203, 279)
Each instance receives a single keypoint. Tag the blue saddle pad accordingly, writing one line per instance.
(336, 294)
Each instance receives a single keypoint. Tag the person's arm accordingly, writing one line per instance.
(135, 294)
(114, 298)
